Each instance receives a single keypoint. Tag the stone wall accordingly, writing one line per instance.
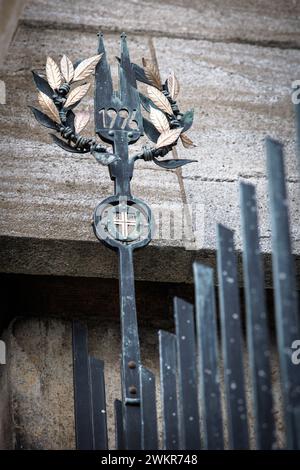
(236, 62)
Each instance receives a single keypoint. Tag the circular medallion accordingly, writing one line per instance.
(123, 221)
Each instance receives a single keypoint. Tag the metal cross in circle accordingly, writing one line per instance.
(124, 223)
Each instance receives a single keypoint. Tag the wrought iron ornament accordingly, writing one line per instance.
(121, 221)
(124, 223)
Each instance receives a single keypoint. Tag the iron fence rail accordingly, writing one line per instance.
(192, 414)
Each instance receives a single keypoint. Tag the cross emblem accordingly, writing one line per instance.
(123, 222)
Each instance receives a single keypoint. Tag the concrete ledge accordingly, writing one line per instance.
(252, 22)
(92, 259)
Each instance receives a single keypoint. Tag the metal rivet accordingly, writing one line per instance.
(130, 134)
(131, 365)
(132, 390)
(111, 133)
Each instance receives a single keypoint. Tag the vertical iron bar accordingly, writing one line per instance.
(122, 170)
(82, 388)
(257, 322)
(232, 343)
(208, 357)
(119, 430)
(286, 308)
(297, 112)
(131, 388)
(168, 365)
(148, 410)
(98, 404)
(189, 426)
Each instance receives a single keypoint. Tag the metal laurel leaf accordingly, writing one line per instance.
(76, 94)
(44, 119)
(86, 68)
(140, 74)
(159, 120)
(53, 74)
(152, 73)
(159, 99)
(168, 137)
(173, 86)
(150, 131)
(65, 146)
(187, 120)
(42, 84)
(48, 107)
(70, 119)
(172, 164)
(81, 120)
(187, 142)
(67, 68)
(146, 103)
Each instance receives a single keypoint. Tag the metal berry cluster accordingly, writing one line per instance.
(64, 87)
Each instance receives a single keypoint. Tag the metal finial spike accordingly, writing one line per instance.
(101, 47)
(103, 82)
(127, 76)
(124, 48)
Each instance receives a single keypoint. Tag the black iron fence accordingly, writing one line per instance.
(190, 375)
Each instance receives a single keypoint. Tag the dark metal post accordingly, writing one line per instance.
(208, 354)
(148, 410)
(232, 341)
(168, 387)
(286, 296)
(131, 386)
(189, 424)
(257, 323)
(82, 389)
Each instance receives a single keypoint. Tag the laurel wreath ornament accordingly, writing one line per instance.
(64, 86)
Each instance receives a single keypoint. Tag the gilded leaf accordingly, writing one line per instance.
(48, 107)
(186, 141)
(76, 95)
(159, 120)
(168, 137)
(159, 99)
(86, 68)
(152, 73)
(67, 68)
(173, 86)
(81, 120)
(53, 74)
